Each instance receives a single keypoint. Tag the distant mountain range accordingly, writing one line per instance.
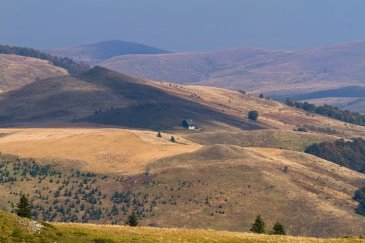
(277, 74)
(333, 75)
(100, 51)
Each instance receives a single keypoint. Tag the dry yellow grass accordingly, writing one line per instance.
(16, 71)
(99, 150)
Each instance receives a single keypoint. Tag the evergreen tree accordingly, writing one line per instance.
(278, 229)
(159, 135)
(132, 220)
(23, 208)
(259, 226)
(173, 139)
(261, 96)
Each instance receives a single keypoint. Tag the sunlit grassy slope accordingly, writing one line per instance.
(15, 229)
(102, 150)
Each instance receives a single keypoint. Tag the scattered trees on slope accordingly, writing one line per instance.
(64, 62)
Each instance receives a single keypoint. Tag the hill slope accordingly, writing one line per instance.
(17, 71)
(102, 96)
(220, 187)
(100, 51)
(274, 73)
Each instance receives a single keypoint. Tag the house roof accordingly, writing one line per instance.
(189, 122)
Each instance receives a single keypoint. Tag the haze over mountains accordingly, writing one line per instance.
(277, 74)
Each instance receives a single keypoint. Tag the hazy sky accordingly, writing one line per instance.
(183, 25)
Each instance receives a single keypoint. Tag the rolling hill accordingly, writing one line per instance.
(275, 73)
(17, 71)
(100, 51)
(101, 96)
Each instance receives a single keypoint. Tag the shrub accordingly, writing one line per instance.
(253, 115)
(278, 229)
(132, 220)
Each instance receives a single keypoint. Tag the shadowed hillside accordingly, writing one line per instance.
(105, 97)
(100, 51)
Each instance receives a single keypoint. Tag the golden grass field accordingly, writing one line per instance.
(103, 150)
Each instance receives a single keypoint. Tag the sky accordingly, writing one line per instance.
(183, 25)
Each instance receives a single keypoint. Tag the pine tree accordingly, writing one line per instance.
(23, 208)
(278, 229)
(159, 135)
(259, 226)
(132, 220)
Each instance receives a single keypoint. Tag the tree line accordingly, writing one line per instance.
(71, 66)
(350, 154)
(330, 111)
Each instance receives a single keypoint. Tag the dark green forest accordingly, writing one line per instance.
(350, 154)
(63, 62)
(330, 111)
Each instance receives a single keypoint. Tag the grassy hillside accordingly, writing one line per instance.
(274, 73)
(100, 51)
(220, 187)
(15, 229)
(99, 150)
(17, 71)
(266, 138)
